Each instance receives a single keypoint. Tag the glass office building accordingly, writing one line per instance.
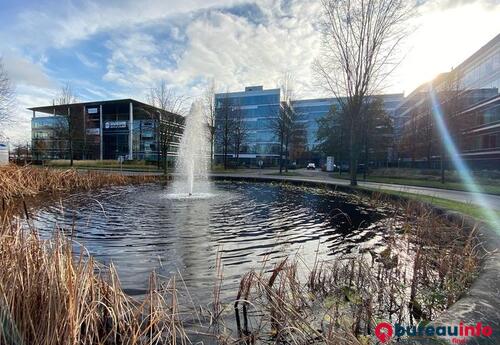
(259, 108)
(309, 111)
(102, 130)
(472, 117)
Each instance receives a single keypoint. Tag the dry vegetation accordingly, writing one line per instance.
(424, 269)
(50, 295)
(21, 182)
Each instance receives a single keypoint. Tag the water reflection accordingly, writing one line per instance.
(139, 229)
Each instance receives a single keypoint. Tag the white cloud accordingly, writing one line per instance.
(188, 42)
(86, 61)
(69, 22)
(21, 70)
(233, 49)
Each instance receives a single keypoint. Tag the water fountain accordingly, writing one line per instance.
(191, 178)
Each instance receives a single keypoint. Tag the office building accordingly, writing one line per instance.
(259, 110)
(469, 103)
(103, 130)
(309, 111)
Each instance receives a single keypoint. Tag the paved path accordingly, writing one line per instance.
(460, 196)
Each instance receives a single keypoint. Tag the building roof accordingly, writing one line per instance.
(61, 108)
(491, 44)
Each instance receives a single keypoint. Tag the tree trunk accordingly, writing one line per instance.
(165, 166)
(352, 156)
(281, 155)
(365, 158)
(71, 152)
(224, 149)
(442, 164)
(212, 151)
(287, 142)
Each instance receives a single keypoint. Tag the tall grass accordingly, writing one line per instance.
(19, 182)
(426, 266)
(48, 296)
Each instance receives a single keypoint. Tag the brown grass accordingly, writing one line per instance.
(426, 267)
(20, 182)
(49, 296)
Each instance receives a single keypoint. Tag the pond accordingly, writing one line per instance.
(141, 228)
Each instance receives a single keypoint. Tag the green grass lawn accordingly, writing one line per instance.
(472, 210)
(485, 187)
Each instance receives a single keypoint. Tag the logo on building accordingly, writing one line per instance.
(115, 124)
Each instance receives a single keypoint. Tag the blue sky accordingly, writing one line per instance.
(114, 49)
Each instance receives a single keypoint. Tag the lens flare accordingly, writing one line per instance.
(459, 164)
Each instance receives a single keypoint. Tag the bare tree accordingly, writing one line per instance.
(360, 38)
(166, 99)
(290, 117)
(279, 125)
(225, 126)
(66, 95)
(209, 100)
(72, 130)
(240, 130)
(451, 99)
(6, 98)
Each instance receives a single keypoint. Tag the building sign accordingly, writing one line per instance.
(93, 131)
(92, 110)
(115, 124)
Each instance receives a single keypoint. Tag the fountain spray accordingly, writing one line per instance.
(193, 154)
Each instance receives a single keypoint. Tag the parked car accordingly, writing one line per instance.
(311, 166)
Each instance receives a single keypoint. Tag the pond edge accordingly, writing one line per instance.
(481, 303)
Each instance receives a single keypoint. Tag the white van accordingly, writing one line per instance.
(4, 153)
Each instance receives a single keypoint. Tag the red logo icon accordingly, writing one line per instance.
(384, 331)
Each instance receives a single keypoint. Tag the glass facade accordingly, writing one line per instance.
(311, 110)
(470, 102)
(110, 139)
(49, 137)
(258, 109)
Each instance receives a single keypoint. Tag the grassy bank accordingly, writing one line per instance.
(464, 208)
(488, 182)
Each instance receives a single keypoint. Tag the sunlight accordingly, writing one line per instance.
(459, 163)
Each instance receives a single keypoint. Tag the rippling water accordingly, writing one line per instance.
(142, 228)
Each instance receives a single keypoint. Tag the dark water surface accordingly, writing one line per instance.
(142, 228)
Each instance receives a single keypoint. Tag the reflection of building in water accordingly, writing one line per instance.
(470, 103)
(103, 130)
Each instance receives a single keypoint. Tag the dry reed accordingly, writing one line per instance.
(426, 266)
(27, 181)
